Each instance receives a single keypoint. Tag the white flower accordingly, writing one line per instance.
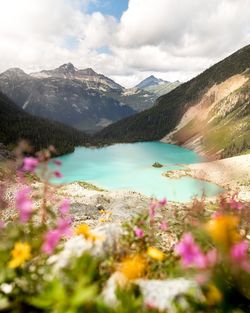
(6, 288)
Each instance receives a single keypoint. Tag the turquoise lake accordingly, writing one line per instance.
(129, 166)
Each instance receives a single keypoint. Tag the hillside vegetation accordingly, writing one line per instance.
(160, 120)
(17, 124)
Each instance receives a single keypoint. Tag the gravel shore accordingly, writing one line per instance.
(231, 174)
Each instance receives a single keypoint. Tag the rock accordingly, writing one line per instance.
(157, 165)
(158, 294)
(161, 293)
(110, 235)
(100, 207)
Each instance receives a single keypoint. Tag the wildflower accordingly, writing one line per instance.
(234, 204)
(58, 174)
(163, 202)
(52, 239)
(20, 253)
(64, 207)
(190, 252)
(155, 254)
(133, 267)
(84, 230)
(102, 211)
(211, 258)
(216, 214)
(163, 225)
(57, 162)
(239, 255)
(64, 226)
(152, 208)
(139, 233)
(30, 164)
(24, 204)
(213, 295)
(223, 230)
(102, 220)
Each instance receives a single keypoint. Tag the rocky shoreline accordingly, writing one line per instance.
(232, 174)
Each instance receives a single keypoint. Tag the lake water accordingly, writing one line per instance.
(129, 166)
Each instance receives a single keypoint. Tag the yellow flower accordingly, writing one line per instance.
(102, 212)
(102, 220)
(213, 295)
(84, 230)
(155, 254)
(20, 253)
(224, 230)
(133, 266)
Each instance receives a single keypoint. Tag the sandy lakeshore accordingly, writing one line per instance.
(231, 173)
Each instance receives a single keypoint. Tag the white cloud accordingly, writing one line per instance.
(174, 39)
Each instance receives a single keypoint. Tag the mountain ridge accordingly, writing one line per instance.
(18, 125)
(61, 97)
(158, 121)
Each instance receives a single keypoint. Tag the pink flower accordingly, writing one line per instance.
(163, 202)
(150, 305)
(30, 164)
(52, 239)
(24, 204)
(152, 208)
(190, 252)
(64, 227)
(139, 233)
(64, 207)
(57, 174)
(234, 204)
(164, 226)
(239, 255)
(57, 162)
(211, 258)
(216, 214)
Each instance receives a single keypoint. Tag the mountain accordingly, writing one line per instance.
(163, 89)
(67, 95)
(135, 98)
(16, 124)
(209, 113)
(156, 86)
(150, 81)
(92, 79)
(139, 100)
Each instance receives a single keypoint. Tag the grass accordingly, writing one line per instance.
(89, 186)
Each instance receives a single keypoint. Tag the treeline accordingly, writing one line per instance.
(15, 125)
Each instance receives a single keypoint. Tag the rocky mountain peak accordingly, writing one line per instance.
(88, 71)
(150, 81)
(68, 68)
(14, 71)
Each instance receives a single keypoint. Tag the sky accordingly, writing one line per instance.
(126, 40)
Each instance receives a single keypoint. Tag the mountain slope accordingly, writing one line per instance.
(164, 117)
(60, 96)
(17, 124)
(135, 98)
(163, 89)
